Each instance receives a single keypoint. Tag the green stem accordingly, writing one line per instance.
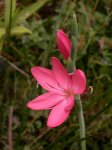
(81, 122)
(77, 98)
(8, 19)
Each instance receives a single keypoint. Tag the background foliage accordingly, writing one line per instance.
(17, 87)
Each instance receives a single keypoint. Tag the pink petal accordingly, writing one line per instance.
(55, 90)
(64, 44)
(70, 104)
(60, 73)
(45, 78)
(58, 114)
(44, 101)
(79, 81)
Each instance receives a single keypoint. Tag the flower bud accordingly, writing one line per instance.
(64, 44)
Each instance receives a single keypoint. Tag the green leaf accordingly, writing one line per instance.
(75, 27)
(28, 11)
(10, 6)
(13, 8)
(1, 43)
(18, 30)
(74, 49)
(2, 32)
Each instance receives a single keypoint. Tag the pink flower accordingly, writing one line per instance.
(61, 88)
(64, 44)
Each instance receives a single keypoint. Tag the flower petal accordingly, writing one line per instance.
(60, 73)
(79, 81)
(60, 113)
(44, 101)
(70, 104)
(45, 78)
(64, 44)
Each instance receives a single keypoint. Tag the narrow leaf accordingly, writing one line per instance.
(75, 27)
(18, 30)
(2, 32)
(10, 6)
(1, 43)
(28, 11)
(13, 8)
(74, 49)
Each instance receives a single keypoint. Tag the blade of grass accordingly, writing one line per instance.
(10, 6)
(2, 32)
(28, 11)
(18, 30)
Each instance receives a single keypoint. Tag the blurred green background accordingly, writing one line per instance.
(29, 38)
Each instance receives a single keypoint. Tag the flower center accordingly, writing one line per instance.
(68, 93)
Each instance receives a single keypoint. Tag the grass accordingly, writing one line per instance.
(17, 87)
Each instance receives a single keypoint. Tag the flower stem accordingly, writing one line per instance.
(81, 122)
(77, 98)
